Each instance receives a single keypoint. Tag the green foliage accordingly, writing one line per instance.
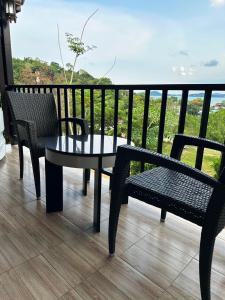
(216, 126)
(77, 46)
(28, 70)
(194, 106)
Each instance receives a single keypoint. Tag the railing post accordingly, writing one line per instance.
(6, 70)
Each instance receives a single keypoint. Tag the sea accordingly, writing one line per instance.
(214, 100)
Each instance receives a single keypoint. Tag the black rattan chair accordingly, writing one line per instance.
(177, 188)
(34, 116)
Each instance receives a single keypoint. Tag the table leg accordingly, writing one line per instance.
(54, 187)
(97, 197)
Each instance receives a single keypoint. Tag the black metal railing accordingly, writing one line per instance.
(67, 105)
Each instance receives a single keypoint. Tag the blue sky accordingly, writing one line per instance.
(154, 41)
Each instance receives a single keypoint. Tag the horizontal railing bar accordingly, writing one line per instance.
(172, 87)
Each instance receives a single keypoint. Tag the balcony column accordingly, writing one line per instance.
(6, 68)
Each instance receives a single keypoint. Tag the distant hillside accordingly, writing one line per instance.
(196, 95)
(36, 71)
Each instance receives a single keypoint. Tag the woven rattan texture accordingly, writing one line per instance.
(39, 108)
(177, 193)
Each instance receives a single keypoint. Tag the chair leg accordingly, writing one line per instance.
(113, 223)
(110, 183)
(36, 171)
(86, 179)
(205, 263)
(21, 161)
(88, 174)
(163, 215)
(125, 199)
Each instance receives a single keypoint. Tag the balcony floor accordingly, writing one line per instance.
(58, 256)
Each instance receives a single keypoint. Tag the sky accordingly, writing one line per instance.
(153, 41)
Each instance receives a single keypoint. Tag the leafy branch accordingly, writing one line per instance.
(77, 46)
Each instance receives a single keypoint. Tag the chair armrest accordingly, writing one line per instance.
(181, 140)
(30, 130)
(127, 153)
(78, 121)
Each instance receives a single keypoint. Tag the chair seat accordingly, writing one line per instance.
(172, 191)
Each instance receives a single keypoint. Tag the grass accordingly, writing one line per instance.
(210, 159)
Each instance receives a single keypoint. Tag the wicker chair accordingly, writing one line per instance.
(34, 116)
(177, 188)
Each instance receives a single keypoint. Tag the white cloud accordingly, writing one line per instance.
(217, 3)
(183, 71)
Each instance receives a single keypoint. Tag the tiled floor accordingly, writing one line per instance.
(58, 256)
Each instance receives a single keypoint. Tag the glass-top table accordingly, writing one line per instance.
(88, 152)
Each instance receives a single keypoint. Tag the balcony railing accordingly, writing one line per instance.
(81, 100)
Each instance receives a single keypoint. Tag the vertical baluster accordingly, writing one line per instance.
(39, 90)
(116, 110)
(33, 90)
(130, 116)
(203, 127)
(44, 90)
(50, 90)
(24, 90)
(103, 112)
(66, 109)
(92, 113)
(183, 111)
(74, 109)
(82, 104)
(145, 123)
(59, 109)
(162, 120)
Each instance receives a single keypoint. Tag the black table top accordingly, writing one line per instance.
(91, 145)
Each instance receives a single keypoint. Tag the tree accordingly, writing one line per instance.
(194, 106)
(77, 46)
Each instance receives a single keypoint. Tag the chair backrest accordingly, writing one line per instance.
(39, 108)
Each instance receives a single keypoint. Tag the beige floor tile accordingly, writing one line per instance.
(59, 256)
(72, 267)
(165, 251)
(129, 281)
(186, 286)
(86, 247)
(71, 295)
(41, 279)
(14, 286)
